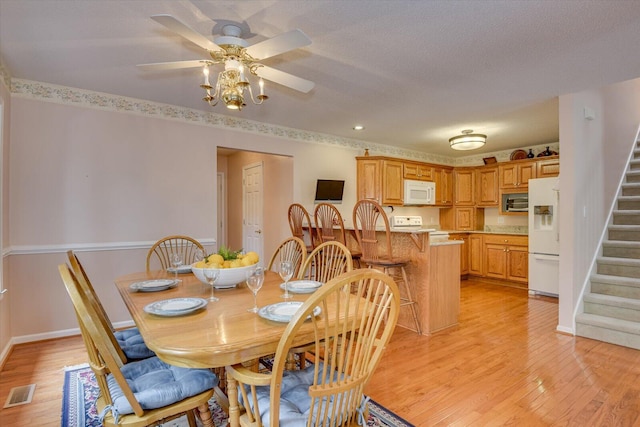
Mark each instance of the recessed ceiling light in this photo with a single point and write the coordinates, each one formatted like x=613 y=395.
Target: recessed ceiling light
x=358 y=127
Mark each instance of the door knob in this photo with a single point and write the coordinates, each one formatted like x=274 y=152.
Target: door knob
x=258 y=231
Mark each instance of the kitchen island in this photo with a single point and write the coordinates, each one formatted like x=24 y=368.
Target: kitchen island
x=434 y=276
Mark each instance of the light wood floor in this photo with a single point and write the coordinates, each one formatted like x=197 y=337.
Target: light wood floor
x=504 y=365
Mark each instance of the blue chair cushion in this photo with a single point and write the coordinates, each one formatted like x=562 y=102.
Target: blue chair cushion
x=156 y=384
x=132 y=344
x=295 y=402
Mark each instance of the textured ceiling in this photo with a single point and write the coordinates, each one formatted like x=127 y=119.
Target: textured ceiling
x=414 y=73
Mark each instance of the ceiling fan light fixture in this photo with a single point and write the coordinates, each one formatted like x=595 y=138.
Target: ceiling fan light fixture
x=468 y=140
x=233 y=99
x=241 y=61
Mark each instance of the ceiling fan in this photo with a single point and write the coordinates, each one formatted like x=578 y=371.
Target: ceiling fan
x=239 y=59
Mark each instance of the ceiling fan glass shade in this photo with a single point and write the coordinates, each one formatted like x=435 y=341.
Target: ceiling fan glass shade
x=468 y=141
x=233 y=99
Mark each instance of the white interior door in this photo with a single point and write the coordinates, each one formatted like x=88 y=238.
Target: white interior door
x=252 y=202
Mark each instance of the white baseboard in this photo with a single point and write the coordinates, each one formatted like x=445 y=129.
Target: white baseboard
x=565 y=330
x=48 y=336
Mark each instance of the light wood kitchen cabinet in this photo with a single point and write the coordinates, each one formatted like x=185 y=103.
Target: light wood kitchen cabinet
x=464 y=186
x=419 y=171
x=514 y=175
x=464 y=218
x=548 y=168
x=392 y=184
x=476 y=258
x=369 y=181
x=487 y=186
x=380 y=179
x=443 y=178
x=464 y=251
x=506 y=257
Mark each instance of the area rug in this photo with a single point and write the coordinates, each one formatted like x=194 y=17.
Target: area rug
x=81 y=390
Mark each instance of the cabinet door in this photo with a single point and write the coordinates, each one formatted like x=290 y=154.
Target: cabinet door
x=369 y=180
x=526 y=171
x=476 y=256
x=464 y=218
x=464 y=251
x=464 y=186
x=444 y=186
x=518 y=264
x=548 y=168
x=487 y=184
x=496 y=261
x=516 y=175
x=392 y=185
x=418 y=171
x=508 y=176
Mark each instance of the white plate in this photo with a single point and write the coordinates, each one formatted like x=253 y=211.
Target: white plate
x=175 y=306
x=181 y=269
x=283 y=311
x=153 y=285
x=302 y=286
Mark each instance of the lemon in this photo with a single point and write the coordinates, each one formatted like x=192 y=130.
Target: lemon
x=215 y=259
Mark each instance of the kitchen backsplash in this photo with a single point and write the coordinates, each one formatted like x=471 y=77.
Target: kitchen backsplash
x=517 y=229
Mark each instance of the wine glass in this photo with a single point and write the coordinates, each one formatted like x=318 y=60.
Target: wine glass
x=176 y=261
x=255 y=279
x=286 y=271
x=211 y=274
x=198 y=255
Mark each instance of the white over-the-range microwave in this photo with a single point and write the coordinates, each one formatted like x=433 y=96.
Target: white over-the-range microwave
x=419 y=192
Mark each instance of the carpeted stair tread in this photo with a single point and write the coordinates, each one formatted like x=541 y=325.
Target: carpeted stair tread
x=633 y=176
x=620 y=286
x=615 y=331
x=609 y=323
x=634 y=164
x=616 y=280
x=621 y=249
x=631 y=244
x=631 y=189
x=626 y=217
x=631 y=262
x=612 y=300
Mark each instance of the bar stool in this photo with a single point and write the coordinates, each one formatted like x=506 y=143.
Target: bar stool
x=327 y=217
x=366 y=214
x=298 y=216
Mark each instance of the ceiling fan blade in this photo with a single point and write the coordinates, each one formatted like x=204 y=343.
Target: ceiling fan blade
x=285 y=79
x=175 y=65
x=279 y=44
x=185 y=31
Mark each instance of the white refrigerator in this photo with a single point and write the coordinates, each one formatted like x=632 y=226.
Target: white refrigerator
x=544 y=236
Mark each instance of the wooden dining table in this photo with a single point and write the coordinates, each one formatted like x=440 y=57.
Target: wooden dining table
x=222 y=333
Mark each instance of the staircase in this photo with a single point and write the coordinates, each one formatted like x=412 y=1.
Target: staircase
x=612 y=308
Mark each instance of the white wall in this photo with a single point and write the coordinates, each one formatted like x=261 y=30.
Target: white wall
x=5 y=300
x=109 y=183
x=594 y=154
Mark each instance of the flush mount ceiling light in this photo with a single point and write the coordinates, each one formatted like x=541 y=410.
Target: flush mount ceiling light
x=358 y=127
x=468 y=140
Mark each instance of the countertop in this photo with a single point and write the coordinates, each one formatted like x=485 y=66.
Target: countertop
x=508 y=233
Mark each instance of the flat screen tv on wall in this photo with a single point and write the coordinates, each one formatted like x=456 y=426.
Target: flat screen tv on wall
x=329 y=191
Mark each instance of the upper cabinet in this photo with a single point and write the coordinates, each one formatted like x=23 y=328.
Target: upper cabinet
x=380 y=179
x=464 y=186
x=392 y=185
x=419 y=171
x=487 y=186
x=443 y=177
x=515 y=175
x=548 y=167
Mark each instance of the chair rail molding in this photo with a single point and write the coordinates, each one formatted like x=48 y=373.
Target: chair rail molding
x=88 y=247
